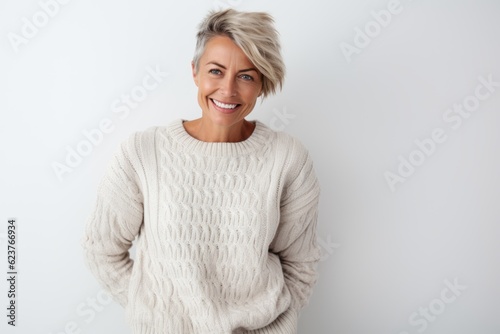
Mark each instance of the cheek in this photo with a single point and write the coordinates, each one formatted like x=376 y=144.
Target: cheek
x=251 y=94
x=206 y=87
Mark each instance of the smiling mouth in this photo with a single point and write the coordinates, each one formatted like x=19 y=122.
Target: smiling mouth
x=225 y=106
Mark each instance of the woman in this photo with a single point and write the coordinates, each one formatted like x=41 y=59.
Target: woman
x=224 y=209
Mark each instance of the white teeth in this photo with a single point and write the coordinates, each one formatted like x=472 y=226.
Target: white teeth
x=223 y=105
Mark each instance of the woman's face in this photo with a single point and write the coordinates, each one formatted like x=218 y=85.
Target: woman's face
x=228 y=83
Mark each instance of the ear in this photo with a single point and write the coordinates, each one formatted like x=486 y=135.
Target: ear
x=195 y=75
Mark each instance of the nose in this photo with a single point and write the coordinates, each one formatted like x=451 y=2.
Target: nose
x=228 y=86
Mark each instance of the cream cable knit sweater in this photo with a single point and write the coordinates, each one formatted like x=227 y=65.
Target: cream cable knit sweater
x=226 y=232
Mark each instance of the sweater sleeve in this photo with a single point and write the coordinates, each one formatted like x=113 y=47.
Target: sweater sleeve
x=115 y=221
x=295 y=241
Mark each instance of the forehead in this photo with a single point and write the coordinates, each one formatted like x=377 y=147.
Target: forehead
x=224 y=51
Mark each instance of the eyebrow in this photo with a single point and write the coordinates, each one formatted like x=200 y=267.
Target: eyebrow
x=224 y=67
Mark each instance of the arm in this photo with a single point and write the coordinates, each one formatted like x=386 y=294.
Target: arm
x=115 y=221
x=296 y=241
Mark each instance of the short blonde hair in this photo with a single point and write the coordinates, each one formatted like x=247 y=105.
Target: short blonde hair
x=255 y=34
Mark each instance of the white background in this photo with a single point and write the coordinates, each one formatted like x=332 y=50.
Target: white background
x=387 y=252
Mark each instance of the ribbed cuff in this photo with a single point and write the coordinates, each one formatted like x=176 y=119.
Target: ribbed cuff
x=144 y=330
x=286 y=323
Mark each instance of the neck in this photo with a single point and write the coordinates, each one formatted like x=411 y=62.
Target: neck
x=206 y=131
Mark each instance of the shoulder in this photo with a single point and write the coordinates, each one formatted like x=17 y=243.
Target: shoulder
x=135 y=150
x=288 y=145
x=141 y=145
x=293 y=157
x=140 y=138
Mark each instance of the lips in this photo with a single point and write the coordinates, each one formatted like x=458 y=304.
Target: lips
x=225 y=107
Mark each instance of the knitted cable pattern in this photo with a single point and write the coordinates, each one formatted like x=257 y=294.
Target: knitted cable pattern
x=226 y=232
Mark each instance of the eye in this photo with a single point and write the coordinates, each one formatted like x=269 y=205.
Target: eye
x=246 y=77
x=215 y=71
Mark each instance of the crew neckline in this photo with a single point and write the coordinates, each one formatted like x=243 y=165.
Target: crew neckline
x=256 y=140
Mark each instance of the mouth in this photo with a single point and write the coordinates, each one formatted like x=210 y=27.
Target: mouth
x=225 y=107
